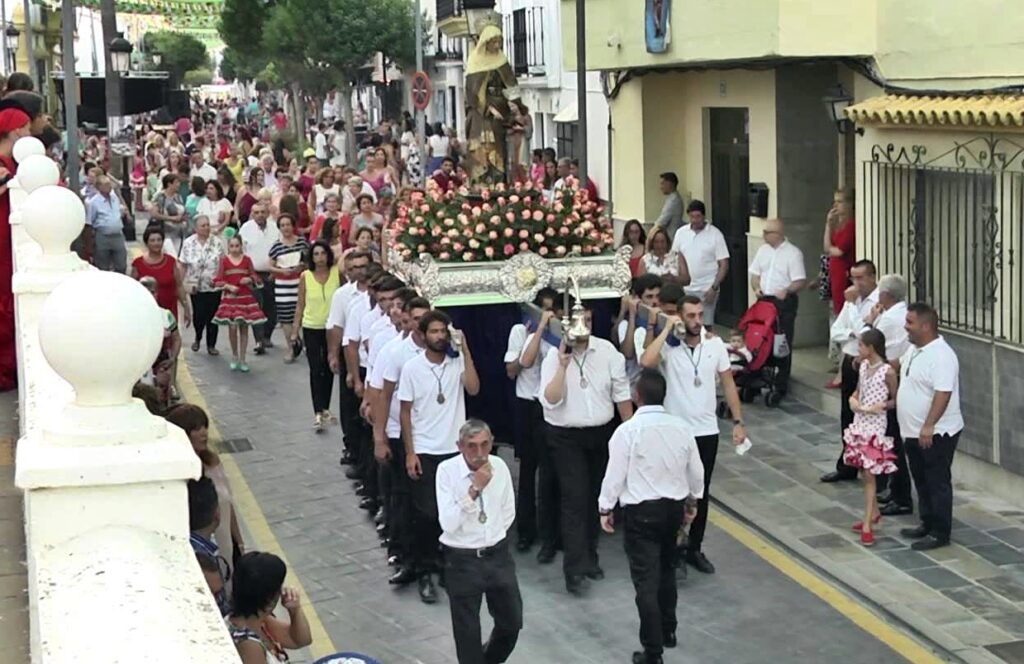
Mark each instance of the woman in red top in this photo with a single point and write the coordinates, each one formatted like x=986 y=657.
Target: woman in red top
x=840 y=244
x=14 y=123
x=633 y=235
x=157 y=264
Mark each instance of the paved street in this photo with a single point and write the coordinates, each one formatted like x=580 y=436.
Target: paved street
x=749 y=612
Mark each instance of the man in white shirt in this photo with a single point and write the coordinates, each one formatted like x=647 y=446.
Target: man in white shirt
x=476 y=507
x=432 y=391
x=582 y=383
x=258 y=235
x=692 y=367
x=388 y=447
x=928 y=407
x=777 y=274
x=534 y=508
x=339 y=145
x=646 y=290
x=889 y=317
x=861 y=297
x=320 y=145
x=655 y=473
x=563 y=169
x=200 y=168
x=355 y=265
x=703 y=259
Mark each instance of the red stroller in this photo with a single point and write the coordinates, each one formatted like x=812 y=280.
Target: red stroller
x=759 y=327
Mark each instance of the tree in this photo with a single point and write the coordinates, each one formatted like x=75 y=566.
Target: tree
x=180 y=52
x=242 y=23
x=196 y=77
x=236 y=66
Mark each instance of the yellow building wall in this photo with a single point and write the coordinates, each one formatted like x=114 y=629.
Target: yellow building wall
x=628 y=157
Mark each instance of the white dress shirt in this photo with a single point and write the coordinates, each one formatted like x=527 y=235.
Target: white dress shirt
x=639 y=338
x=851 y=320
x=366 y=325
x=892 y=323
x=388 y=367
x=604 y=370
x=357 y=309
x=381 y=333
x=702 y=251
x=206 y=171
x=339 y=304
x=435 y=426
x=694 y=404
x=256 y=242
x=653 y=455
x=923 y=372
x=778 y=267
x=528 y=379
x=460 y=516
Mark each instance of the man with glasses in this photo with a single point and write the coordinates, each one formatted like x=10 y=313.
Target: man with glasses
x=777 y=274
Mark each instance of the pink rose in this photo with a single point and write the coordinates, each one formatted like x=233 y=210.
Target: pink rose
x=468 y=257
x=550 y=232
x=476 y=211
x=421 y=231
x=523 y=234
x=500 y=186
x=458 y=246
x=523 y=246
x=464 y=220
x=511 y=216
x=444 y=255
x=474 y=244
x=489 y=252
x=435 y=231
x=486 y=207
x=493 y=235
x=509 y=250
x=485 y=194
x=424 y=208
x=528 y=200
x=513 y=198
x=550 y=218
x=538 y=215
x=467 y=232
x=501 y=200
x=538 y=238
x=452 y=233
x=526 y=214
x=445 y=241
x=559 y=207
x=559 y=250
x=421 y=248
x=563 y=231
x=543 y=251
x=480 y=228
x=495 y=220
x=508 y=232
x=449 y=221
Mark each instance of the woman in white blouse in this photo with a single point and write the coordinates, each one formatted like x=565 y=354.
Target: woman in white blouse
x=200 y=255
x=659 y=259
x=216 y=208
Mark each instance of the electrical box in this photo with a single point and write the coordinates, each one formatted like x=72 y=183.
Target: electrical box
x=758 y=199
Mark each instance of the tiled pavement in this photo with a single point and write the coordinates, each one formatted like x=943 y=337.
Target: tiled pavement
x=967 y=597
x=748 y=612
x=14 y=628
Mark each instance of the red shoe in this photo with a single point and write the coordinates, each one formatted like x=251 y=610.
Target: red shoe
x=867 y=538
x=834 y=384
x=859 y=525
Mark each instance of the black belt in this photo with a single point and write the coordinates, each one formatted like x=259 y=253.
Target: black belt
x=485 y=552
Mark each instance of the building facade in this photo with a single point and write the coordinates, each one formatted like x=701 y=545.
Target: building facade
x=731 y=92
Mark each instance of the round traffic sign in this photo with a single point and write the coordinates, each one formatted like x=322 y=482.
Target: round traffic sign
x=420 y=91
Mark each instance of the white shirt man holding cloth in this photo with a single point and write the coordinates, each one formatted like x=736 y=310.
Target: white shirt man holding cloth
x=258 y=235
x=703 y=258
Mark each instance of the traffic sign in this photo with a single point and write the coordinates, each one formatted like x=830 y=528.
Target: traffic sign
x=420 y=91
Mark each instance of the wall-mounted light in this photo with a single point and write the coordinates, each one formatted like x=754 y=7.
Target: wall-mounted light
x=120 y=54
x=836 y=103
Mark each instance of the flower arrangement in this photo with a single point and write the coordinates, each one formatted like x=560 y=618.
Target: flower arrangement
x=495 y=224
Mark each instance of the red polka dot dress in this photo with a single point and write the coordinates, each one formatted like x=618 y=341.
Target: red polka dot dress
x=867 y=446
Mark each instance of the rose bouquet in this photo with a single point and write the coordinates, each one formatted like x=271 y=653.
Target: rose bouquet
x=496 y=224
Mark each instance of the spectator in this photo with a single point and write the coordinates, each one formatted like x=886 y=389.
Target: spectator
x=200 y=256
x=106 y=216
x=671 y=217
x=259 y=636
x=633 y=235
x=203 y=520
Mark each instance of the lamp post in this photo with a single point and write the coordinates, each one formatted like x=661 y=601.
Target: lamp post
x=121 y=61
x=11 y=35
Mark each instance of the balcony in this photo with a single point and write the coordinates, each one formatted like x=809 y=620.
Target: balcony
x=458 y=18
x=448 y=49
x=524 y=41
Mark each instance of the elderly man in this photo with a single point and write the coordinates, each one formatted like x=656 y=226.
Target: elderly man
x=258 y=235
x=269 y=174
x=889 y=317
x=861 y=298
x=564 y=170
x=354 y=188
x=777 y=274
x=106 y=216
x=200 y=168
x=476 y=507
x=703 y=258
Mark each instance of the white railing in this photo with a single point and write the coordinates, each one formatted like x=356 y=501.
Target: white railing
x=111 y=574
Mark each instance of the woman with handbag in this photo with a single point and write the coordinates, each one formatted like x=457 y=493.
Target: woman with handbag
x=168 y=209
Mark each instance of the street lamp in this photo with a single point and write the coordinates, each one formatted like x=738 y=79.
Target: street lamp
x=11 y=35
x=836 y=102
x=121 y=54
x=157 y=59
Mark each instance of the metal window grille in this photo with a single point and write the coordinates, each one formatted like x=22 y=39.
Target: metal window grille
x=566 y=135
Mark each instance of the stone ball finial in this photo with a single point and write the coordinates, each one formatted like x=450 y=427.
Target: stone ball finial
x=53 y=216
x=101 y=331
x=27 y=146
x=37 y=171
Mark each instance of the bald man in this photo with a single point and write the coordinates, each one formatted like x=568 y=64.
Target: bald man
x=777 y=275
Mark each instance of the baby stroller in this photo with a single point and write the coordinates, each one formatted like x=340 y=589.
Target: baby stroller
x=764 y=339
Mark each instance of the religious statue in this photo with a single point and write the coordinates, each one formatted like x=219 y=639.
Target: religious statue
x=490 y=86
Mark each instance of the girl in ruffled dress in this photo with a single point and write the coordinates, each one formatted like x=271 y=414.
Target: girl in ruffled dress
x=238 y=306
x=866 y=445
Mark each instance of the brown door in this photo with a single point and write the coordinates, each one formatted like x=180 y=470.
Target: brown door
x=730 y=174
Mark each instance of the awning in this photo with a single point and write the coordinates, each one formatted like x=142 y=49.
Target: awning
x=569 y=113
x=979 y=112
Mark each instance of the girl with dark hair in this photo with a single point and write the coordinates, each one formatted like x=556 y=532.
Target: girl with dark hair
x=248 y=195
x=259 y=636
x=867 y=446
x=316 y=288
x=238 y=306
x=633 y=235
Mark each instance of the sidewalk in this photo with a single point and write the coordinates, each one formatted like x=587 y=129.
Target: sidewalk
x=14 y=628
x=967 y=598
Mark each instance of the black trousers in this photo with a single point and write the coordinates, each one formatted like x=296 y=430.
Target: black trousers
x=580 y=457
x=898 y=482
x=367 y=464
x=650 y=543
x=787 y=322
x=348 y=408
x=426 y=529
x=265 y=296
x=204 y=306
x=707 y=447
x=469 y=579
x=537 y=502
x=932 y=472
x=849 y=378
x=321 y=380
x=398 y=505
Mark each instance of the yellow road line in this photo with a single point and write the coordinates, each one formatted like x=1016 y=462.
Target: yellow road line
x=853 y=610
x=249 y=511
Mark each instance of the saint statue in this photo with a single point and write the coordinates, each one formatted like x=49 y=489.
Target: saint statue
x=490 y=86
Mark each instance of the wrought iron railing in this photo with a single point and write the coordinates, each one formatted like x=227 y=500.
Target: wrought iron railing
x=955 y=233
x=524 y=41
x=450 y=8
x=448 y=48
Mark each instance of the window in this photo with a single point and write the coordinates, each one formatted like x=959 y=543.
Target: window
x=566 y=139
x=520 y=59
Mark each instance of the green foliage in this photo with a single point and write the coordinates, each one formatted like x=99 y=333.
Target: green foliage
x=242 y=67
x=197 y=77
x=241 y=24
x=181 y=52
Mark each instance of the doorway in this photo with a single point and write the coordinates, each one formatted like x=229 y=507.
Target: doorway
x=729 y=149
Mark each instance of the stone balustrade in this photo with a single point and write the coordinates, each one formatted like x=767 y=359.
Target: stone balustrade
x=110 y=568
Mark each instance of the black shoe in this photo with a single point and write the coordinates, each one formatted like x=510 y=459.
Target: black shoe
x=267 y=343
x=524 y=543
x=394 y=560
x=884 y=497
x=353 y=473
x=929 y=543
x=260 y=349
x=382 y=529
x=575 y=585
x=346 y=459
x=700 y=562
x=669 y=640
x=895 y=509
x=385 y=542
x=546 y=555
x=380 y=517
x=404 y=576
x=645 y=658
x=915 y=533
x=368 y=503
x=836 y=476
x=596 y=573
x=428 y=593
x=361 y=490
